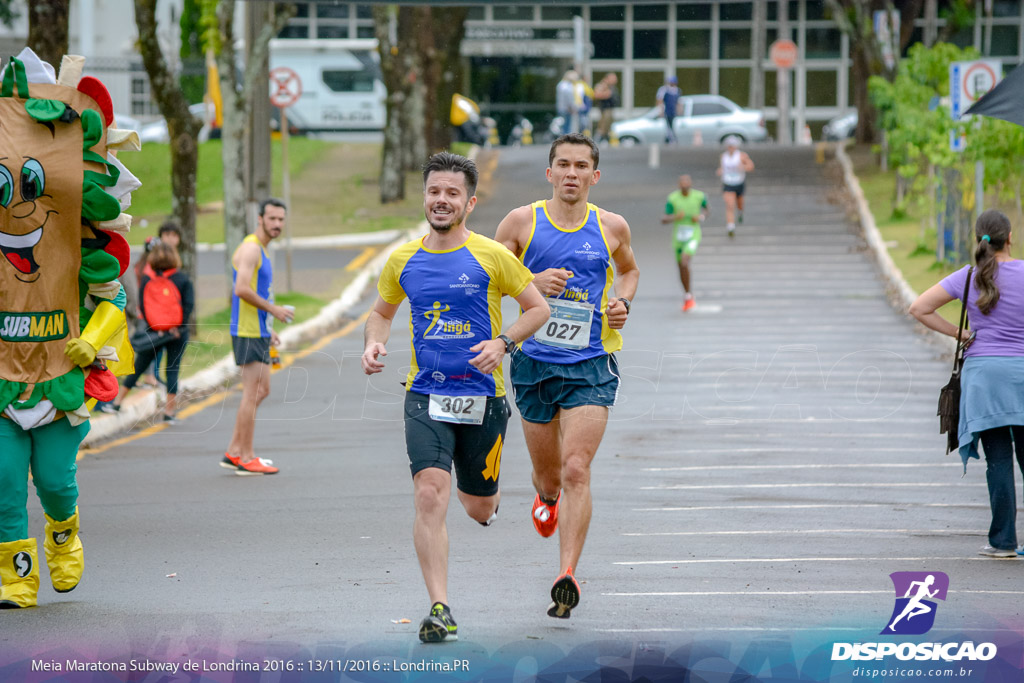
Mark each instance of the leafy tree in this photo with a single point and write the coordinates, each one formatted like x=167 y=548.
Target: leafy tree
x=855 y=18
x=919 y=127
x=422 y=69
x=239 y=95
x=395 y=28
x=193 y=76
x=8 y=13
x=182 y=130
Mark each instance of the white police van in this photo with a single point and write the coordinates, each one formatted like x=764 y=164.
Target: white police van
x=341 y=85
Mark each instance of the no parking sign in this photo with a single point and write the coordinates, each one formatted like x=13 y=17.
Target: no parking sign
x=968 y=81
x=285 y=87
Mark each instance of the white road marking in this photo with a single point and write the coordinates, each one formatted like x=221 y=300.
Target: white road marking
x=785 y=532
x=767 y=629
x=808 y=559
x=697 y=468
x=833 y=435
x=813 y=506
x=824 y=485
x=674 y=594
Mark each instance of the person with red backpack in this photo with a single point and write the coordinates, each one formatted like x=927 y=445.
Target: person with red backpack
x=166 y=300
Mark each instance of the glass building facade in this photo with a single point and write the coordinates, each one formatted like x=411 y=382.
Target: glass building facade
x=518 y=52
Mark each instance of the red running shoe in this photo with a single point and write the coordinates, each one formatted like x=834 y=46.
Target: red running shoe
x=565 y=595
x=545 y=517
x=255 y=466
x=229 y=462
x=689 y=304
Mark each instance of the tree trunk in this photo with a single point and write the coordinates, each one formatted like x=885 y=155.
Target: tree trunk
x=233 y=155
x=237 y=107
x=443 y=72
x=860 y=72
x=930 y=220
x=48 y=30
x=182 y=128
x=392 y=178
x=413 y=22
x=232 y=129
x=855 y=18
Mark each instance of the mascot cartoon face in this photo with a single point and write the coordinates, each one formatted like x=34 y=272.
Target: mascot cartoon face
x=29 y=208
x=52 y=147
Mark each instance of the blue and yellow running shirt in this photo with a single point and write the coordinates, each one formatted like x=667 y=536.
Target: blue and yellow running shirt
x=246 y=319
x=455 y=297
x=582 y=250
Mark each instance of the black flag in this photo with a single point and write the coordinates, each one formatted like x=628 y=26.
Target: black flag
x=1005 y=101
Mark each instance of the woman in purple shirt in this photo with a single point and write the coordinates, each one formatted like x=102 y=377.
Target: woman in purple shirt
x=992 y=381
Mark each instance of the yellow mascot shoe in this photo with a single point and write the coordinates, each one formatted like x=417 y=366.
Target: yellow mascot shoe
x=19 y=574
x=64 y=554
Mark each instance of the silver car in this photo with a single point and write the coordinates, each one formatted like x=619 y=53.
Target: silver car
x=714 y=116
x=841 y=127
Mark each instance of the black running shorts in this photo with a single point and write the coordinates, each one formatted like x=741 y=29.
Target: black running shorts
x=251 y=350
x=475 y=450
x=738 y=189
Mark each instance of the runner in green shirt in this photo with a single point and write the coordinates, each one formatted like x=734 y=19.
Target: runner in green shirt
x=687 y=209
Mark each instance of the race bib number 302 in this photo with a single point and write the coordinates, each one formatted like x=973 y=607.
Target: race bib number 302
x=465 y=410
x=569 y=325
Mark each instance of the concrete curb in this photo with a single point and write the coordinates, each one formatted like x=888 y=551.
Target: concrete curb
x=225 y=372
x=903 y=294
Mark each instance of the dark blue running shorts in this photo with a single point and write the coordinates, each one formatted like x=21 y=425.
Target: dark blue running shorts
x=475 y=450
x=738 y=189
x=251 y=350
x=542 y=389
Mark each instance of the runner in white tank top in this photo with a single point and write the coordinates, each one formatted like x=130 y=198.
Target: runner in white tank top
x=733 y=168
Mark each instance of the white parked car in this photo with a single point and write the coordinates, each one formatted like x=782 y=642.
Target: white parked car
x=716 y=118
x=125 y=122
x=157 y=130
x=841 y=127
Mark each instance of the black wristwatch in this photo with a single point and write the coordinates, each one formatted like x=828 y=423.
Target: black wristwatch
x=510 y=345
x=625 y=301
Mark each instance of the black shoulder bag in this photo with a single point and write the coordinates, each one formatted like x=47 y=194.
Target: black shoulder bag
x=949 y=395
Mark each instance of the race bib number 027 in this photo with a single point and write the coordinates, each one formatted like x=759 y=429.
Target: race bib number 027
x=464 y=410
x=569 y=325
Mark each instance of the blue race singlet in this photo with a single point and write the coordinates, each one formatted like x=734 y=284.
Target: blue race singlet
x=455 y=301
x=246 y=319
x=577 y=329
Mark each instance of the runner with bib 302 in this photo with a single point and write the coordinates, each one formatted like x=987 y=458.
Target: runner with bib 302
x=455 y=407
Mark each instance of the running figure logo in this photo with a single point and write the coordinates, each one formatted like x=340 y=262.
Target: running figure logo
x=914 y=612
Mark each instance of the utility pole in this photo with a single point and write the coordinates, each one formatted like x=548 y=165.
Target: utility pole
x=758 y=38
x=257 y=171
x=782 y=80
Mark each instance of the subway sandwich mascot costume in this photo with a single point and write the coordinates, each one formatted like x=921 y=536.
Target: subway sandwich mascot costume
x=62 y=326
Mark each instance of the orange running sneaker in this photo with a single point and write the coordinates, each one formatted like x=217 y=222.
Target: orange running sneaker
x=689 y=304
x=545 y=517
x=565 y=595
x=255 y=466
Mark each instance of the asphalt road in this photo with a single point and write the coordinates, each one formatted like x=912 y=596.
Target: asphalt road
x=773 y=459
